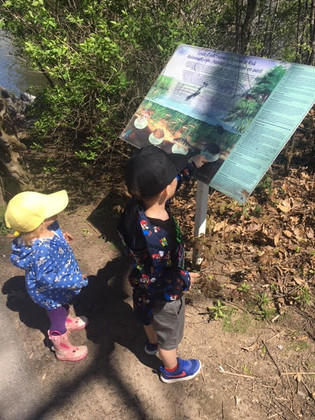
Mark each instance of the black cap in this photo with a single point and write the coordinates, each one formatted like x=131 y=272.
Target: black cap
x=151 y=169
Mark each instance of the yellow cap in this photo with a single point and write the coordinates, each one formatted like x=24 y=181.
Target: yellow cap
x=28 y=209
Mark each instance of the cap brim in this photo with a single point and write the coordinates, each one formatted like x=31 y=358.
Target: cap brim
x=56 y=202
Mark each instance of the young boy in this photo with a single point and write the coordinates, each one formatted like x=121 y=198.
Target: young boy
x=153 y=238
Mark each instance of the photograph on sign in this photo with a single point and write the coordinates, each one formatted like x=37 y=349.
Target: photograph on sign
x=208 y=102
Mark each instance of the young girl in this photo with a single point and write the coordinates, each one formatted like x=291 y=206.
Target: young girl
x=52 y=275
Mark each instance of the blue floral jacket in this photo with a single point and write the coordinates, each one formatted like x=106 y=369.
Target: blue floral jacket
x=52 y=275
x=157 y=273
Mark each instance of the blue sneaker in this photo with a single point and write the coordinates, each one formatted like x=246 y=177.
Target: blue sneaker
x=151 y=349
x=187 y=369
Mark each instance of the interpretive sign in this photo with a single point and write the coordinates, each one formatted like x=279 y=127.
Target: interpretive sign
x=236 y=110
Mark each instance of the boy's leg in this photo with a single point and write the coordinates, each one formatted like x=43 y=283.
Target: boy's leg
x=150 y=333
x=168 y=320
x=150 y=347
x=169 y=358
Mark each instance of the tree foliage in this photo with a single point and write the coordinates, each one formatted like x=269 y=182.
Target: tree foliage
x=101 y=56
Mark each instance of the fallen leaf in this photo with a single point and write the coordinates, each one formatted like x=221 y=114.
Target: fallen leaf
x=287 y=233
x=299 y=281
x=253 y=227
x=284 y=206
x=219 y=226
x=297 y=234
x=264 y=230
x=252 y=347
x=305 y=175
x=294 y=220
x=276 y=238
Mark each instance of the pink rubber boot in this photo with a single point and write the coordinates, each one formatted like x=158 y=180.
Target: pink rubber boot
x=76 y=322
x=64 y=350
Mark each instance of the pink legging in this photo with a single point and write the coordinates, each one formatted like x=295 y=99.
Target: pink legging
x=57 y=318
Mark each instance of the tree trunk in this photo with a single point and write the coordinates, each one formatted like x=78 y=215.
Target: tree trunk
x=311 y=57
x=247 y=25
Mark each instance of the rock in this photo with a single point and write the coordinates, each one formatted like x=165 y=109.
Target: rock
x=4 y=93
x=27 y=97
x=13 y=177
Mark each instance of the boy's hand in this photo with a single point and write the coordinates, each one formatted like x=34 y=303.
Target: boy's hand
x=199 y=160
x=193 y=278
x=68 y=237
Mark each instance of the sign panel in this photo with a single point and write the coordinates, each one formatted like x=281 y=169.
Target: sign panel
x=236 y=110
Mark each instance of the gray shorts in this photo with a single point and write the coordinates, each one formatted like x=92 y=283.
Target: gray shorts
x=168 y=322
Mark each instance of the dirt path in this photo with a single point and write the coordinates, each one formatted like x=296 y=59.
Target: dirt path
x=247 y=365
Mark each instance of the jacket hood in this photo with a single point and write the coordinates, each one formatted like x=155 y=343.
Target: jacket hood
x=21 y=255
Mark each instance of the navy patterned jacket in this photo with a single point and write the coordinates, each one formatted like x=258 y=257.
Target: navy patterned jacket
x=157 y=273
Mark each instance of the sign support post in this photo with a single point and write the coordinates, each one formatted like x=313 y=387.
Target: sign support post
x=200 y=216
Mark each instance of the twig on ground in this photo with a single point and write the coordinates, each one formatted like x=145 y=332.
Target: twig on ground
x=123 y=154
x=226 y=372
x=285 y=406
x=274 y=415
x=298 y=373
x=231 y=367
x=310 y=393
x=274 y=336
x=271 y=357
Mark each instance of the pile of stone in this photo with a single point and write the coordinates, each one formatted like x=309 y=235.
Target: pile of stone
x=13 y=174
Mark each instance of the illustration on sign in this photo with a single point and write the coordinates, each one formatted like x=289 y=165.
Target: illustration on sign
x=238 y=111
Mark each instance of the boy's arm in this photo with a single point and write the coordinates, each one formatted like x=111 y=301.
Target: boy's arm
x=194 y=162
x=181 y=280
x=166 y=281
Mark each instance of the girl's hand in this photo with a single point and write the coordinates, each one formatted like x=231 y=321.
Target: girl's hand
x=199 y=160
x=68 y=237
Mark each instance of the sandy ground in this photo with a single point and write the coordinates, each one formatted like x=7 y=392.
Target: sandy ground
x=249 y=367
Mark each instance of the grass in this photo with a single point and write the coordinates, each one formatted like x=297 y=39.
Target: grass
x=299 y=346
x=239 y=325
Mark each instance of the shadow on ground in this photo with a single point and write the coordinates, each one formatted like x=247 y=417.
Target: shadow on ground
x=112 y=322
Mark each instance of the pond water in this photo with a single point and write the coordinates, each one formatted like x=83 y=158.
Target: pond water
x=15 y=75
